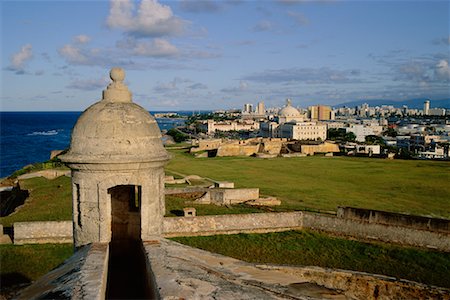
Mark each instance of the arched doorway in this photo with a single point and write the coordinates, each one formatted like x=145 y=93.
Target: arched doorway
x=125 y=212
x=126 y=270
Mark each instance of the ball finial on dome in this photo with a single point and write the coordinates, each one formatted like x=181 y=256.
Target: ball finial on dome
x=117 y=74
x=117 y=91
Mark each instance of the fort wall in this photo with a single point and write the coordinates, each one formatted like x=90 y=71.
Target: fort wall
x=395 y=219
x=231 y=224
x=43 y=232
x=370 y=231
x=61 y=232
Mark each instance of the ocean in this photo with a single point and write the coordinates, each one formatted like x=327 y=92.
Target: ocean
x=28 y=137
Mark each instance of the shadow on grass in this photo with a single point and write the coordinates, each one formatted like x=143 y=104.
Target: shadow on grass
x=177 y=212
x=12 y=284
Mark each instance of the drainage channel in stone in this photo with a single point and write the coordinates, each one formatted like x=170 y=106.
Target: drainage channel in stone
x=127 y=278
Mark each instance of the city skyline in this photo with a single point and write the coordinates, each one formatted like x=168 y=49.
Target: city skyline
x=192 y=55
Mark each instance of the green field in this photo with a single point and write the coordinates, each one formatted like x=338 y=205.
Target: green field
x=306 y=183
x=26 y=263
x=311 y=183
x=49 y=200
x=323 y=183
x=307 y=248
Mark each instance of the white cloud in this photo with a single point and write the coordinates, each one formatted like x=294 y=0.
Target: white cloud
x=73 y=54
x=322 y=75
x=155 y=48
x=442 y=70
x=263 y=26
x=442 y=41
x=243 y=86
x=299 y=18
x=198 y=86
x=19 y=59
x=89 y=84
x=81 y=39
x=151 y=19
x=173 y=85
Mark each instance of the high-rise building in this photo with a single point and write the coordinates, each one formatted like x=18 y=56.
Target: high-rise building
x=248 y=108
x=426 y=107
x=320 y=112
x=260 y=109
x=313 y=112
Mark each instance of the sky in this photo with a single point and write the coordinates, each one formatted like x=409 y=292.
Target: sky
x=205 y=55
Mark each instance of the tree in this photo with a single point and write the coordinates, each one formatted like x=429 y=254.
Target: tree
x=341 y=135
x=390 y=132
x=374 y=140
x=177 y=135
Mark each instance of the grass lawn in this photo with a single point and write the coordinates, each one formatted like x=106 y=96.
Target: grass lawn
x=323 y=183
x=49 y=200
x=314 y=249
x=25 y=263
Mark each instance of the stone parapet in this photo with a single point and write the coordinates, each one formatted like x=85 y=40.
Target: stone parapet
x=82 y=276
x=231 y=224
x=43 y=232
x=371 y=231
x=182 y=272
x=395 y=219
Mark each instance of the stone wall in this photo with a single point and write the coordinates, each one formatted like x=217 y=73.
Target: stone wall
x=237 y=150
x=82 y=276
x=370 y=231
x=49 y=174
x=359 y=285
x=61 y=232
x=187 y=190
x=43 y=232
x=182 y=272
x=224 y=196
x=230 y=224
x=395 y=219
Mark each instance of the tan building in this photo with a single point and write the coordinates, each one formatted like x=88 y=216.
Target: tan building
x=320 y=112
x=211 y=126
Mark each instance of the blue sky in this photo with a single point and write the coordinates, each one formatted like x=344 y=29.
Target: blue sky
x=192 y=55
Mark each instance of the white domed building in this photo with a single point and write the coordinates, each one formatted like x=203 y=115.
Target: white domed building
x=291 y=125
x=289 y=114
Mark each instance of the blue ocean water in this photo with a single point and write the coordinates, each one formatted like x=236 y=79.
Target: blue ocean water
x=28 y=137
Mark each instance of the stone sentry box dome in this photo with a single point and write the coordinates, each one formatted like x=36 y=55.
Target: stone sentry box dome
x=117 y=160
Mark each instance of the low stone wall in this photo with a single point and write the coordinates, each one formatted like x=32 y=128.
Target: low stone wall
x=43 y=232
x=237 y=150
x=395 y=219
x=359 y=285
x=231 y=224
x=49 y=174
x=223 y=196
x=173 y=191
x=370 y=231
x=182 y=272
x=82 y=276
x=61 y=232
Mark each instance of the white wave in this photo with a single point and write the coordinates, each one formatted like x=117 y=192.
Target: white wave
x=49 y=132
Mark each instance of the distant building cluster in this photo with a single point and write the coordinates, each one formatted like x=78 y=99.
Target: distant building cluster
x=424 y=133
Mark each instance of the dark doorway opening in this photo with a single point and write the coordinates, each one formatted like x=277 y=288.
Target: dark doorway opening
x=127 y=277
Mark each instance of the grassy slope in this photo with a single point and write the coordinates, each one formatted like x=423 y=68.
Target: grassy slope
x=21 y=264
x=417 y=187
x=49 y=200
x=309 y=248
